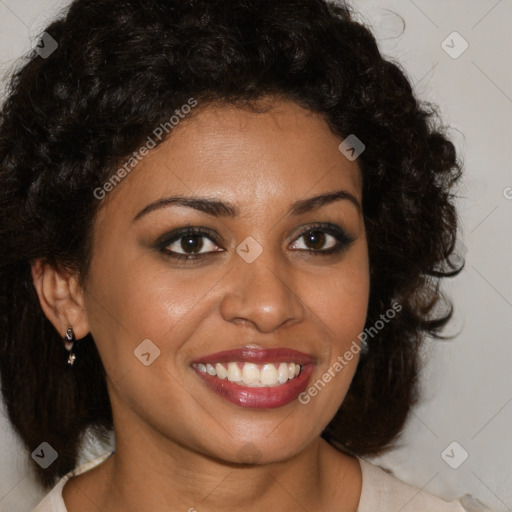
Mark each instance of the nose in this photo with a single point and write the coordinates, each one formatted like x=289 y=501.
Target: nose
x=261 y=294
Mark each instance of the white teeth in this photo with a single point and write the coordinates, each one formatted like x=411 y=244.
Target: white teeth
x=234 y=373
x=282 y=373
x=250 y=374
x=268 y=375
x=222 y=373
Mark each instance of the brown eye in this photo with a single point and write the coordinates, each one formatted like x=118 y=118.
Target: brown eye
x=323 y=239
x=192 y=243
x=188 y=243
x=316 y=240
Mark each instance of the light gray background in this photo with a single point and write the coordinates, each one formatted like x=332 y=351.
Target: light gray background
x=467 y=382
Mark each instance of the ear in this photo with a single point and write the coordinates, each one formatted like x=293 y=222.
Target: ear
x=61 y=298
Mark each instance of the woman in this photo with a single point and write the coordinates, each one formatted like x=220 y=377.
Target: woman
x=223 y=228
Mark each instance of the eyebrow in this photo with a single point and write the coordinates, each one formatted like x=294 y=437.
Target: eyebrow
x=217 y=208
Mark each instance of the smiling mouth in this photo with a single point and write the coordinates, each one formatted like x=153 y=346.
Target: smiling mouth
x=256 y=378
x=251 y=374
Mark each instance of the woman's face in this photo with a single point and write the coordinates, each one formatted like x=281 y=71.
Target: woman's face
x=272 y=269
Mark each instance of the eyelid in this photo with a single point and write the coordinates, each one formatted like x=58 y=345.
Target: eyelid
x=163 y=241
x=343 y=240
x=330 y=228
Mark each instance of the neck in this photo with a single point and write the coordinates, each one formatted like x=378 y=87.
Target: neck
x=144 y=475
x=149 y=478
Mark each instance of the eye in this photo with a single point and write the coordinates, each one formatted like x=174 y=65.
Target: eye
x=192 y=244
x=188 y=244
x=323 y=239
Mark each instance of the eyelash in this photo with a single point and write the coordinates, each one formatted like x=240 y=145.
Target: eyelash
x=343 y=239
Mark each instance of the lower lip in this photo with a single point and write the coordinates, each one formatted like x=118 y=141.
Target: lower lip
x=259 y=398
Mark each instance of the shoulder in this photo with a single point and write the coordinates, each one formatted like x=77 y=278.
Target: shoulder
x=383 y=492
x=53 y=501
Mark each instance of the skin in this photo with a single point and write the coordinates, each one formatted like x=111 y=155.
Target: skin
x=178 y=443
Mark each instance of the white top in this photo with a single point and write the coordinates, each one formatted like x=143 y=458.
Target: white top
x=381 y=492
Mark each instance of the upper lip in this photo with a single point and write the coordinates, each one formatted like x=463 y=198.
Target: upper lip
x=257 y=356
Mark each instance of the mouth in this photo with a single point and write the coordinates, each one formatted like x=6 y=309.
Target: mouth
x=256 y=378
x=250 y=374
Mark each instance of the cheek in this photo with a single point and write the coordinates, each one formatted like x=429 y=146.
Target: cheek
x=340 y=301
x=130 y=302
x=342 y=310
x=340 y=298
x=131 y=298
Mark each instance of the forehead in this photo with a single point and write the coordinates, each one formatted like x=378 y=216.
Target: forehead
x=278 y=153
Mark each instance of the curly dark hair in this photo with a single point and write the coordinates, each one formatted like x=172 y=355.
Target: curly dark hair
x=121 y=69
